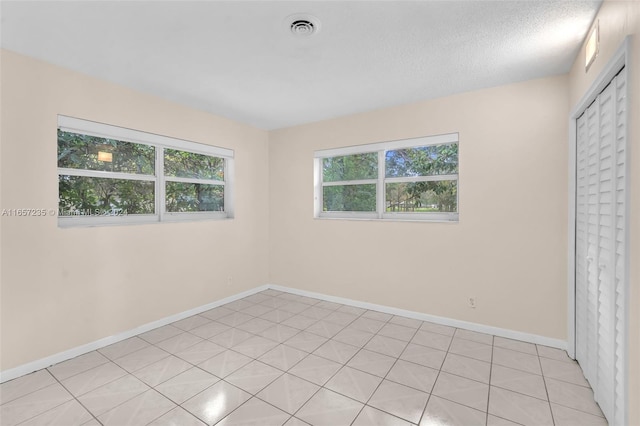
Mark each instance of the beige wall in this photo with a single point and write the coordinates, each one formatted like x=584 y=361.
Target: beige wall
x=509 y=249
x=62 y=288
x=617 y=20
x=92 y=282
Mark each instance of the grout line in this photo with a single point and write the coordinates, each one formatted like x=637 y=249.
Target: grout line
x=437 y=377
x=343 y=365
x=544 y=380
x=196 y=366
x=297 y=299
x=397 y=358
x=107 y=360
x=490 y=376
x=80 y=402
x=52 y=408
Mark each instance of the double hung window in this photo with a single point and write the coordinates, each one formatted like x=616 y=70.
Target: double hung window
x=414 y=179
x=112 y=175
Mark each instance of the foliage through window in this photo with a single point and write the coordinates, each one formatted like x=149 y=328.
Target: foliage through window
x=108 y=174
x=408 y=179
x=193 y=181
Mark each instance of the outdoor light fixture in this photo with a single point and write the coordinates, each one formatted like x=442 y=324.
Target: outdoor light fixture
x=105 y=156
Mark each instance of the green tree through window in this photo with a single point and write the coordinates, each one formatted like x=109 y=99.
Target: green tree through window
x=112 y=177
x=416 y=179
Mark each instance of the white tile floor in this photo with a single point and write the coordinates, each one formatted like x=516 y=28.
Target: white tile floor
x=276 y=358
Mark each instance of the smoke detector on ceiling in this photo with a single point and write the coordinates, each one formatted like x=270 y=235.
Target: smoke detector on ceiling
x=302 y=25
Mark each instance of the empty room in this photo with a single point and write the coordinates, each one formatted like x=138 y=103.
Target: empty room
x=320 y=213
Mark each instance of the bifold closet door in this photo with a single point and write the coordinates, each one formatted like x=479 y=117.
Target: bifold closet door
x=601 y=247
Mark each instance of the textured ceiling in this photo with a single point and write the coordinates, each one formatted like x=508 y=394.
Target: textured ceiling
x=238 y=60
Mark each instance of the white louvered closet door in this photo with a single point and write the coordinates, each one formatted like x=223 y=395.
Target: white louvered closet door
x=601 y=247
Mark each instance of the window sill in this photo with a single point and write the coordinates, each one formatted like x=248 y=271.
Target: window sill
x=454 y=219
x=89 y=222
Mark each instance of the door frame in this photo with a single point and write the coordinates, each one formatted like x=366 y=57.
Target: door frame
x=620 y=59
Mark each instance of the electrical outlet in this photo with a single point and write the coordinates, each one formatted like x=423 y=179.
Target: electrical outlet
x=472 y=302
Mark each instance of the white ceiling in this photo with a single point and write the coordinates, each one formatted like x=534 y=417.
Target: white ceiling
x=237 y=58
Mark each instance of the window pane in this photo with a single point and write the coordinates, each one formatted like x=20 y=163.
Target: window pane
x=350 y=167
x=189 y=165
x=349 y=198
x=422 y=197
x=194 y=197
x=97 y=196
x=77 y=151
x=422 y=161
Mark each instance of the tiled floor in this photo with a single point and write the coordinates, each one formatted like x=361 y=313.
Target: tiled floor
x=280 y=359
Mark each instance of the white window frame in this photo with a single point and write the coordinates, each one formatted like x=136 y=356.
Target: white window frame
x=381 y=148
x=101 y=130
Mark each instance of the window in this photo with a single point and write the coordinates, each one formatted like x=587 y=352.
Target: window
x=111 y=175
x=412 y=179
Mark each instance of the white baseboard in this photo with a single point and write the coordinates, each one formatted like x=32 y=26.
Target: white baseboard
x=83 y=349
x=481 y=328
x=80 y=350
